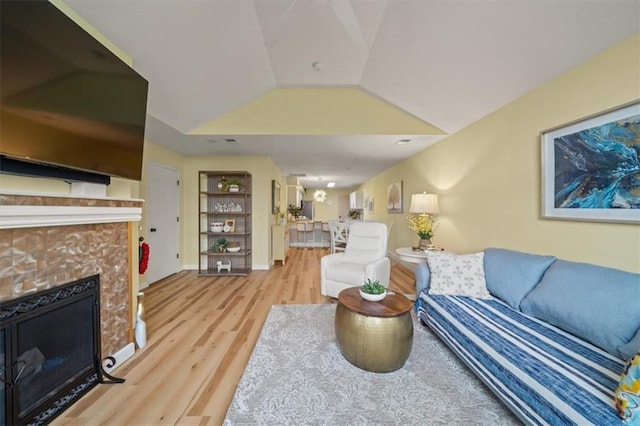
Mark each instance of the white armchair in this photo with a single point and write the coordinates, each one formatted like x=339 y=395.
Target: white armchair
x=364 y=258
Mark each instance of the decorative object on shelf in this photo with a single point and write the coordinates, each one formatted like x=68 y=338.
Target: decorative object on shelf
x=221 y=264
x=233 y=247
x=373 y=291
x=421 y=218
x=320 y=195
x=234 y=184
x=223 y=186
x=275 y=197
x=354 y=214
x=394 y=197
x=220 y=245
x=590 y=167
x=228 y=207
x=281 y=218
x=229 y=225
x=217 y=226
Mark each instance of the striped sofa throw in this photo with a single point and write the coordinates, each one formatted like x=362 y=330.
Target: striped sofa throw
x=543 y=374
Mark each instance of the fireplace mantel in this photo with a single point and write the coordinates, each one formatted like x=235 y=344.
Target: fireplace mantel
x=29 y=210
x=34 y=216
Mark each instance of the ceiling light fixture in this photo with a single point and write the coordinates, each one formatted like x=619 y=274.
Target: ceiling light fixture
x=331 y=184
x=317 y=66
x=320 y=195
x=403 y=141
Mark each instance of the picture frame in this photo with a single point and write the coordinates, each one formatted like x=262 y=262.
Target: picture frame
x=394 y=197
x=275 y=197
x=370 y=205
x=590 y=167
x=231 y=223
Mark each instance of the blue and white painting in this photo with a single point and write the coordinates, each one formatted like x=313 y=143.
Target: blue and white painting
x=591 y=167
x=599 y=167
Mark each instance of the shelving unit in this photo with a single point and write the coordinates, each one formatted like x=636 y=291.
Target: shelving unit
x=219 y=205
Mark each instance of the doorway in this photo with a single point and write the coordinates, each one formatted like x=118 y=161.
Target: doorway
x=162 y=221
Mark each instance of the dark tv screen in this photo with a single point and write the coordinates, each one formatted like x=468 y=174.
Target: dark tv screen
x=66 y=100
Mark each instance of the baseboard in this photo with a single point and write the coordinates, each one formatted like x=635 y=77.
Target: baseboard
x=260 y=268
x=142 y=285
x=121 y=356
x=189 y=267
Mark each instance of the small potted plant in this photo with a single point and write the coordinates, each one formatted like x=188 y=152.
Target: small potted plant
x=373 y=290
x=294 y=211
x=234 y=185
x=220 y=245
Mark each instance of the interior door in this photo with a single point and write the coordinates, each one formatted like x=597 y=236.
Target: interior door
x=162 y=221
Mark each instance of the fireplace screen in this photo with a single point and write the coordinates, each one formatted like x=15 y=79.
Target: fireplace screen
x=51 y=350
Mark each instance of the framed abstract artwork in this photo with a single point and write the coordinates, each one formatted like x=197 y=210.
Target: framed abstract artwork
x=591 y=167
x=275 y=197
x=394 y=197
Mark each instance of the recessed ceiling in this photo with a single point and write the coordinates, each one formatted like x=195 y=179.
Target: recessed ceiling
x=245 y=70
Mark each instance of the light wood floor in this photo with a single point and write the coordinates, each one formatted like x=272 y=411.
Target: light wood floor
x=201 y=331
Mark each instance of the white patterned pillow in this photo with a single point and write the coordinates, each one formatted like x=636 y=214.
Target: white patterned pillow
x=458 y=275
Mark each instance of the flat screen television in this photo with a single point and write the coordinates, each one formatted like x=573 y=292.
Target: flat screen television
x=69 y=107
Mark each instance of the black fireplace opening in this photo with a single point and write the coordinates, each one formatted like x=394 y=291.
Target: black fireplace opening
x=49 y=350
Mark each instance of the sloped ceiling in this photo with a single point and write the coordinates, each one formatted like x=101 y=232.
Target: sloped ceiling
x=261 y=71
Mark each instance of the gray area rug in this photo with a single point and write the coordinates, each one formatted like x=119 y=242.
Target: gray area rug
x=297 y=376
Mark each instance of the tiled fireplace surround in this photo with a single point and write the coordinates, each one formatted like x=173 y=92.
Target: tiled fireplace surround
x=47 y=241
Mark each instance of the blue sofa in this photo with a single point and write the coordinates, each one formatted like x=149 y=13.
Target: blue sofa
x=551 y=343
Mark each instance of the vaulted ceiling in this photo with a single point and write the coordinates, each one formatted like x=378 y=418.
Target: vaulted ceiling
x=327 y=87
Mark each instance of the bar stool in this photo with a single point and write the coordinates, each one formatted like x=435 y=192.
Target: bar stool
x=325 y=230
x=304 y=229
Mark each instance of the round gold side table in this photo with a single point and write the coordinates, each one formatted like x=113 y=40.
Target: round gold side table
x=374 y=336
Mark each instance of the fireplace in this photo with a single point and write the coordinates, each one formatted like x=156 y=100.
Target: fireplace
x=49 y=351
x=47 y=241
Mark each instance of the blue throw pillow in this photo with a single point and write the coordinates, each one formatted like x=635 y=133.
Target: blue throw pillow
x=511 y=275
x=598 y=304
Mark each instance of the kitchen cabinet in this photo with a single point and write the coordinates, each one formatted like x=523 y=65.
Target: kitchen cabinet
x=295 y=194
x=356 y=200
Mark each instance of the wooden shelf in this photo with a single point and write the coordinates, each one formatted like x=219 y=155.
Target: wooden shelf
x=225 y=213
x=210 y=200
x=228 y=234
x=226 y=253
x=225 y=194
x=233 y=273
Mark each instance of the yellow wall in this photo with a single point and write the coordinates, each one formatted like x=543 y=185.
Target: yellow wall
x=488 y=175
x=263 y=170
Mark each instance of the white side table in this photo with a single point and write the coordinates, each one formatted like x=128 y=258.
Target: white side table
x=408 y=254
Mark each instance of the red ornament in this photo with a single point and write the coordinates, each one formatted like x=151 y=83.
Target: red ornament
x=144 y=258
